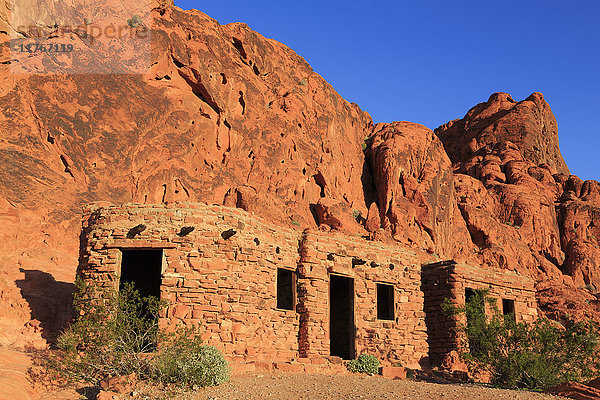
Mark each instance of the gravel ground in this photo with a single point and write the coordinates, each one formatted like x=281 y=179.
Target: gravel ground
x=313 y=386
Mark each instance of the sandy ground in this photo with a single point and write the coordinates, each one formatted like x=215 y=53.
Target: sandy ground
x=308 y=386
x=14 y=385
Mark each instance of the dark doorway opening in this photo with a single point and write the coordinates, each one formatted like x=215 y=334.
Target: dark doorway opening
x=475 y=306
x=385 y=301
x=470 y=295
x=475 y=301
x=341 y=316
x=476 y=318
x=508 y=309
x=143 y=269
x=286 y=284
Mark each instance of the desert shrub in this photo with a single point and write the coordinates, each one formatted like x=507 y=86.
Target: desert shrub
x=109 y=337
x=533 y=356
x=120 y=335
x=134 y=21
x=364 y=363
x=195 y=365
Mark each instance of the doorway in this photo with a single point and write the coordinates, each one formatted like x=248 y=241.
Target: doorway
x=508 y=310
x=341 y=316
x=143 y=269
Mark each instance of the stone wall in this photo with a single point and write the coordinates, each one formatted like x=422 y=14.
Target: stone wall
x=223 y=276
x=449 y=280
x=225 y=285
x=402 y=340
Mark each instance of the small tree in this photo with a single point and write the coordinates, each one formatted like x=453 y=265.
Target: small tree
x=533 y=356
x=109 y=336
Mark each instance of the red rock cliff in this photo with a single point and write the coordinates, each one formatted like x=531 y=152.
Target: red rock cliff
x=226 y=116
x=223 y=115
x=523 y=209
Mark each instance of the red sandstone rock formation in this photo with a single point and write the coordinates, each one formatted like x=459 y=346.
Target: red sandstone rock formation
x=574 y=390
x=415 y=189
x=528 y=124
x=226 y=116
x=522 y=208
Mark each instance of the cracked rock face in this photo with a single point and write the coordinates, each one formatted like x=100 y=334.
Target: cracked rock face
x=415 y=189
x=523 y=209
x=223 y=115
x=528 y=127
x=226 y=116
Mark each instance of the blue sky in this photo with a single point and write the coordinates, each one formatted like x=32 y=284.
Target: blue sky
x=430 y=61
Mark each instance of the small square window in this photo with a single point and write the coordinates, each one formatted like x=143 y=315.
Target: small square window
x=385 y=301
x=286 y=288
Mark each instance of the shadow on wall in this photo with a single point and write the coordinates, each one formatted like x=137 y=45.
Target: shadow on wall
x=441 y=336
x=50 y=301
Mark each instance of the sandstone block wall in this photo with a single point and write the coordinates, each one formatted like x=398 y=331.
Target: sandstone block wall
x=228 y=283
x=449 y=280
x=402 y=340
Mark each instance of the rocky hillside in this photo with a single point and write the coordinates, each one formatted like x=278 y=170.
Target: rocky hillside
x=224 y=115
x=523 y=209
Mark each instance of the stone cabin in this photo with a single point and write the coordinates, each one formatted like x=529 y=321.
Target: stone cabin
x=513 y=294
x=269 y=297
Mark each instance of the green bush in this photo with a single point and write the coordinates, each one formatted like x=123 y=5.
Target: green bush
x=364 y=363
x=109 y=337
x=533 y=356
x=185 y=361
x=205 y=366
x=134 y=21
x=120 y=335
